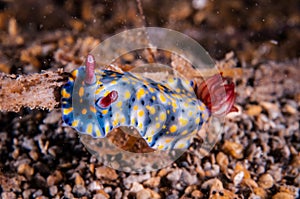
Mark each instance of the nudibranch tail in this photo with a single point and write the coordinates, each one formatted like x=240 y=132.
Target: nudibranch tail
x=217 y=95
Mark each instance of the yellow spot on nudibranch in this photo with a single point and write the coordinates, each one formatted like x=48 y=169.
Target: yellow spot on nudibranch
x=99 y=90
x=157 y=125
x=197 y=120
x=152 y=90
x=66 y=111
x=135 y=107
x=162 y=98
x=160 y=87
x=168 y=140
x=74 y=73
x=106 y=128
x=154 y=98
x=119 y=104
x=106 y=93
x=160 y=147
x=140 y=125
x=104 y=111
x=174 y=105
x=184 y=132
x=152 y=132
x=173 y=128
x=140 y=93
x=84 y=111
x=151 y=109
x=65 y=94
x=81 y=92
x=183 y=122
x=70 y=79
x=98 y=133
x=180 y=146
x=133 y=121
x=162 y=116
x=89 y=128
x=92 y=109
x=127 y=94
x=141 y=113
x=75 y=123
x=113 y=82
x=122 y=120
x=115 y=122
x=202 y=108
x=171 y=80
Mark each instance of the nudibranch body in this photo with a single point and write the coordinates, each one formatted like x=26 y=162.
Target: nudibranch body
x=167 y=114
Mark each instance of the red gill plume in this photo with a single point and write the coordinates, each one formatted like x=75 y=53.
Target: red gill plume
x=217 y=93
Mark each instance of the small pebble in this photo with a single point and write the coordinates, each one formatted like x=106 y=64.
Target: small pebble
x=79 y=180
x=79 y=190
x=95 y=186
x=135 y=178
x=106 y=173
x=152 y=182
x=290 y=109
x=260 y=192
x=38 y=193
x=283 y=195
x=26 y=170
x=143 y=194
x=197 y=194
x=34 y=155
x=53 y=190
x=55 y=178
x=213 y=171
x=68 y=195
x=100 y=196
x=234 y=149
x=238 y=178
x=136 y=187
x=272 y=109
x=8 y=195
x=175 y=175
x=27 y=193
x=118 y=193
x=222 y=160
x=253 y=110
x=188 y=178
x=266 y=181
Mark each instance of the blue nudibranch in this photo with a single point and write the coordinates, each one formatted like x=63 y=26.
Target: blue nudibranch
x=167 y=114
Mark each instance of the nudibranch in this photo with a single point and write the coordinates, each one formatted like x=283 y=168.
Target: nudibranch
x=166 y=114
